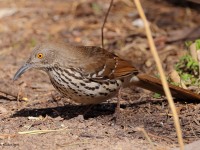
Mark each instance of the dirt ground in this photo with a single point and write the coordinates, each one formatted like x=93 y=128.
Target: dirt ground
x=24 y=23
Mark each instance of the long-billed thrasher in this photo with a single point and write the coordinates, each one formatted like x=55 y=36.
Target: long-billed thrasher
x=91 y=75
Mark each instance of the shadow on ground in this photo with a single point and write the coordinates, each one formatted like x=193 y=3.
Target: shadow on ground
x=68 y=111
x=71 y=111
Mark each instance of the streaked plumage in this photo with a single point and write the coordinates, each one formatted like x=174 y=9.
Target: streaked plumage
x=86 y=75
x=90 y=75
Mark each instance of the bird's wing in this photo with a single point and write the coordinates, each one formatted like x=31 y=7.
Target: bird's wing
x=105 y=65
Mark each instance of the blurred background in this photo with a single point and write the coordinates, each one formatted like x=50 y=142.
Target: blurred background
x=25 y=23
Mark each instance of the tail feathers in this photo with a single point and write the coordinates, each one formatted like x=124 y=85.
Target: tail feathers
x=153 y=84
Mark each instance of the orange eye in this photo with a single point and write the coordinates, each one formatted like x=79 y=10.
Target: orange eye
x=40 y=55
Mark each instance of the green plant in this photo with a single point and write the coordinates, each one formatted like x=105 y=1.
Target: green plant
x=188 y=70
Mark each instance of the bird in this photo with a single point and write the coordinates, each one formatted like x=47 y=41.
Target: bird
x=90 y=74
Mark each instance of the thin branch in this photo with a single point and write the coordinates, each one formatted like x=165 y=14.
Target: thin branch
x=104 y=22
x=162 y=75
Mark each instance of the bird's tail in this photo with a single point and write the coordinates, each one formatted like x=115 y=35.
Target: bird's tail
x=153 y=84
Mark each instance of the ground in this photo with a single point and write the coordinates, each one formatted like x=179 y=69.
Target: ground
x=23 y=24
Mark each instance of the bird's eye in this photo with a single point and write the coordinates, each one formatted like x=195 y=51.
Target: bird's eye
x=40 y=55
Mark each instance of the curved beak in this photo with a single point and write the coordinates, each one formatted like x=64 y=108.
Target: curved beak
x=24 y=68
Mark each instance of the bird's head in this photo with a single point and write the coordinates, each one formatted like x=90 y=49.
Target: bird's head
x=42 y=57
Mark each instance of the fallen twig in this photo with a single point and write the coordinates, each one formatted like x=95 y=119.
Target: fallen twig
x=40 y=131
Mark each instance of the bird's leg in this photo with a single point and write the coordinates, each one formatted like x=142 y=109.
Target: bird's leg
x=117 y=109
x=119 y=96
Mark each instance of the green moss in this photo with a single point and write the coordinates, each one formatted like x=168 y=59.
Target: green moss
x=156 y=95
x=197 y=43
x=188 y=70
x=187 y=67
